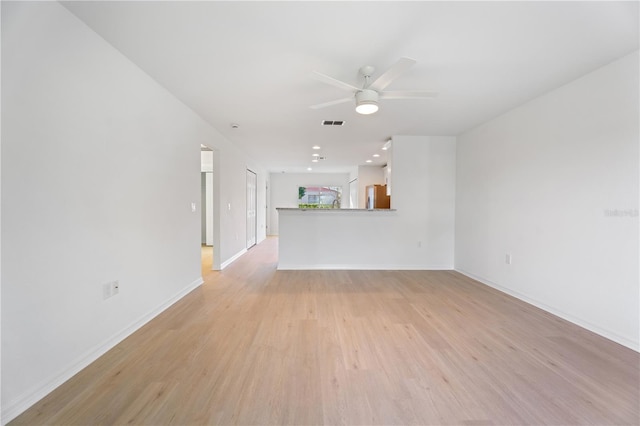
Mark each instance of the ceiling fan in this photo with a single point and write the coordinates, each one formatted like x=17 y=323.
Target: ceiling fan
x=367 y=97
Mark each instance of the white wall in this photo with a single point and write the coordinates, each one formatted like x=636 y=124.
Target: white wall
x=353 y=188
x=353 y=193
x=206 y=161
x=70 y=222
x=542 y=183
x=423 y=174
x=233 y=167
x=368 y=175
x=284 y=190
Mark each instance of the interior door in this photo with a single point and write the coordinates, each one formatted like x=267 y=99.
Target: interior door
x=252 y=202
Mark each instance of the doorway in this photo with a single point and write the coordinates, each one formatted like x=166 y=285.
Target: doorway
x=207 y=208
x=210 y=202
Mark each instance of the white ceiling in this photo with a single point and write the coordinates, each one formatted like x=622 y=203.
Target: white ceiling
x=250 y=63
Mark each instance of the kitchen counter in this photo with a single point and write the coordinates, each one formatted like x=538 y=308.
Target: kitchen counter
x=335 y=238
x=332 y=210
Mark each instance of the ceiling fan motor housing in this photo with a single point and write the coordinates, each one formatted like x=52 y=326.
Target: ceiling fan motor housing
x=367 y=95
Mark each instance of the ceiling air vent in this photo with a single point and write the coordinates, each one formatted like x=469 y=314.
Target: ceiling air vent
x=333 y=123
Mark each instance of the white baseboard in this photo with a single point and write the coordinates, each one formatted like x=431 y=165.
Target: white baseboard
x=232 y=259
x=363 y=267
x=608 y=334
x=21 y=403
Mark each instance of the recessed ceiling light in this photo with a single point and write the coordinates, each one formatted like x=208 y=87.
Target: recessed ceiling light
x=369 y=161
x=315 y=160
x=309 y=168
x=316 y=155
x=376 y=155
x=315 y=147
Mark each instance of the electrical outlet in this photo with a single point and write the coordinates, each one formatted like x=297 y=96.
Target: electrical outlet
x=419 y=243
x=106 y=290
x=507 y=259
x=110 y=289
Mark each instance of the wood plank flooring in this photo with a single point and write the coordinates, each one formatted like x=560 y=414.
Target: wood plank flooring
x=256 y=346
x=206 y=260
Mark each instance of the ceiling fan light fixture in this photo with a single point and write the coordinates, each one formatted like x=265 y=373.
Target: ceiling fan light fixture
x=366 y=108
x=366 y=101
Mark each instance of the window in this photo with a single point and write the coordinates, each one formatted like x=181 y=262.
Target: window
x=319 y=197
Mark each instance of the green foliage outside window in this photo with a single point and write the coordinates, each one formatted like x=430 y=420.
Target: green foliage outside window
x=315 y=206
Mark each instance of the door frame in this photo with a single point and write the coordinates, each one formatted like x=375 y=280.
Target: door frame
x=252 y=208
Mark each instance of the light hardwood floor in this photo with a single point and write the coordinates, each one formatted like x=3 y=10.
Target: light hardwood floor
x=206 y=261
x=258 y=346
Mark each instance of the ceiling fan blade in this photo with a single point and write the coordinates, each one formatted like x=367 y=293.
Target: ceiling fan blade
x=391 y=74
x=408 y=94
x=333 y=82
x=327 y=104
